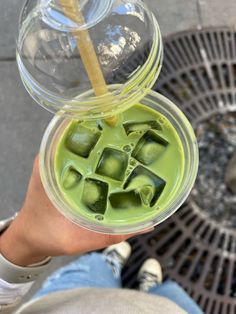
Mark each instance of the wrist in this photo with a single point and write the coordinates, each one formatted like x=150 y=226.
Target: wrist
x=17 y=248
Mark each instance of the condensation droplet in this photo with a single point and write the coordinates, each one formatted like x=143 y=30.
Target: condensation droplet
x=99 y=217
x=127 y=148
x=132 y=162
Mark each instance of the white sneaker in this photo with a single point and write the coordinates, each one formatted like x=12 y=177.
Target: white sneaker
x=117 y=255
x=149 y=275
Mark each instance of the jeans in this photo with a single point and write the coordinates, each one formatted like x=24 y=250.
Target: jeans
x=92 y=270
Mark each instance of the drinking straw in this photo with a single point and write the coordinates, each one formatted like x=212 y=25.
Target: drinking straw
x=87 y=52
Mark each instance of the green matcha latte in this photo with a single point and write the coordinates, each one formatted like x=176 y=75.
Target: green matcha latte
x=120 y=175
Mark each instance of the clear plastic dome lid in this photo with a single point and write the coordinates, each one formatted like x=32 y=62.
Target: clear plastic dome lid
x=89 y=58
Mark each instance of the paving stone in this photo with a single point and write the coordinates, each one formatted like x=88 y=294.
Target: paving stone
x=217 y=13
x=9 y=15
x=175 y=15
x=22 y=124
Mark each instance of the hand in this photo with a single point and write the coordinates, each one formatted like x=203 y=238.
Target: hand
x=40 y=230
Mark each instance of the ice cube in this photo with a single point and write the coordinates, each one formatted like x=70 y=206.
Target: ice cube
x=133 y=127
x=125 y=200
x=71 y=178
x=143 y=185
x=147 y=184
x=95 y=195
x=113 y=164
x=82 y=140
x=149 y=148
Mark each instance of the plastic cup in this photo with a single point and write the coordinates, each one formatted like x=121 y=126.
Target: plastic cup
x=186 y=135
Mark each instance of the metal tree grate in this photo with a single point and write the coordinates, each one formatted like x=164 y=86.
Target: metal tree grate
x=197 y=251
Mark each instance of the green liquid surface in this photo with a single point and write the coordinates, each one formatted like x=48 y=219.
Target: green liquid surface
x=120 y=175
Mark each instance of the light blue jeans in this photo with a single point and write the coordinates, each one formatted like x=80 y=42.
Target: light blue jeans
x=93 y=271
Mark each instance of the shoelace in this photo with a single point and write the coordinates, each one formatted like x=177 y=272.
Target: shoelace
x=147 y=281
x=115 y=260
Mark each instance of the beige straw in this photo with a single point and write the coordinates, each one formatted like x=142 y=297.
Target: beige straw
x=87 y=52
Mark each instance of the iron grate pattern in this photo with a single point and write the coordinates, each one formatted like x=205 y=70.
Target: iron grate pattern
x=199 y=75
x=199 y=72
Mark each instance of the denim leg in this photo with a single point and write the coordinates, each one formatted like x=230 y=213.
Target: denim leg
x=90 y=270
x=172 y=291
